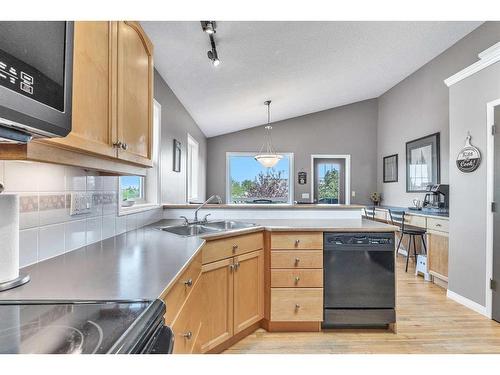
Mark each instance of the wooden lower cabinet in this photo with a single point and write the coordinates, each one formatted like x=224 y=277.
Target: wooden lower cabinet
x=217 y=320
x=233 y=297
x=248 y=290
x=437 y=257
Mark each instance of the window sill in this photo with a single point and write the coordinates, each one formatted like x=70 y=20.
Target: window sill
x=122 y=211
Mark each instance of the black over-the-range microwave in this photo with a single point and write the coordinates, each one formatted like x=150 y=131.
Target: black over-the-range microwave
x=36 y=69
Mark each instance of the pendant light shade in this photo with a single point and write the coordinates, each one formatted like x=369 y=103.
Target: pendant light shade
x=267 y=157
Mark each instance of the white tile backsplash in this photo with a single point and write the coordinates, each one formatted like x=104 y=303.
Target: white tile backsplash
x=50 y=241
x=47 y=229
x=75 y=234
x=28 y=247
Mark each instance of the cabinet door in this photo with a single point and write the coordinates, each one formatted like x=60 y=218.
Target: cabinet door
x=248 y=289
x=438 y=254
x=92 y=129
x=134 y=93
x=217 y=318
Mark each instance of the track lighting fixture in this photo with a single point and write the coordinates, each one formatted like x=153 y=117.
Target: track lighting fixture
x=209 y=28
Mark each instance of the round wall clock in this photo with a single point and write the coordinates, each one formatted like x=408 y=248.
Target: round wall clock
x=469 y=157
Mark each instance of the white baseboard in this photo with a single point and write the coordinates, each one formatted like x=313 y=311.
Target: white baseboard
x=467 y=303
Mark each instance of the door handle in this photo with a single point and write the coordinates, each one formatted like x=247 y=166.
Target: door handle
x=297 y=260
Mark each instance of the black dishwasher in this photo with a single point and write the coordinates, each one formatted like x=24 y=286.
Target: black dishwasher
x=359 y=280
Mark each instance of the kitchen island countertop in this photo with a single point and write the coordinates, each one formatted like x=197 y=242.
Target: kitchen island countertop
x=142 y=264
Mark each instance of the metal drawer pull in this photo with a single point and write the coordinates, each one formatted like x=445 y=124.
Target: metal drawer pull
x=297 y=242
x=188 y=282
x=297 y=307
x=438 y=225
x=187 y=335
x=297 y=279
x=297 y=260
x=235 y=247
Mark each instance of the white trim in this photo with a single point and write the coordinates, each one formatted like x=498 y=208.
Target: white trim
x=347 y=173
x=193 y=144
x=291 y=172
x=486 y=58
x=490 y=178
x=467 y=302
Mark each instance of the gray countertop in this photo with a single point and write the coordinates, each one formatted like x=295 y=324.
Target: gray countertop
x=141 y=264
x=428 y=212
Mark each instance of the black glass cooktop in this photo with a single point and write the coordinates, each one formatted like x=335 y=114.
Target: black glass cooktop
x=66 y=328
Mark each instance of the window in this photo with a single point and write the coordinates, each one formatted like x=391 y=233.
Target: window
x=249 y=182
x=138 y=192
x=192 y=169
x=330 y=179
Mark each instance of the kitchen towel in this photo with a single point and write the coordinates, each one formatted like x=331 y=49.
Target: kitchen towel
x=9 y=237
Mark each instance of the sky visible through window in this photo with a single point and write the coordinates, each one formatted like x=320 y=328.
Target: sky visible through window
x=247 y=168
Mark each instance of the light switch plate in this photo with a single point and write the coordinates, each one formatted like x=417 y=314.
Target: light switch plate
x=81 y=203
x=305 y=195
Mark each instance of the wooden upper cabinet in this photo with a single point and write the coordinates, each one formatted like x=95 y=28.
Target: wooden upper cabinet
x=92 y=128
x=134 y=93
x=248 y=290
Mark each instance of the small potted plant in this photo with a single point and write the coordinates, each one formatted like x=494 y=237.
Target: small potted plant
x=375 y=197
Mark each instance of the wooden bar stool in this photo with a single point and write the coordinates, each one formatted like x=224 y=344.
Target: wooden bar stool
x=370 y=212
x=398 y=219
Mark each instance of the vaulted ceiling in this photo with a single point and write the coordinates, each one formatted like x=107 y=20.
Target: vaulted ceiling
x=303 y=67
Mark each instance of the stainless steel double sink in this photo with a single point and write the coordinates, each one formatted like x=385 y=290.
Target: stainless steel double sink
x=188 y=230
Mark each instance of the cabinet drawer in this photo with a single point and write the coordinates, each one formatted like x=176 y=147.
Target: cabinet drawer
x=228 y=247
x=297 y=240
x=177 y=295
x=296 y=259
x=187 y=325
x=299 y=278
x=440 y=225
x=415 y=221
x=294 y=304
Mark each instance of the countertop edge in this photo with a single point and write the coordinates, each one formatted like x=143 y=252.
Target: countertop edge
x=268 y=206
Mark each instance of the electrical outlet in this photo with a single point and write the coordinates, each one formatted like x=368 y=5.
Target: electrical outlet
x=305 y=195
x=81 y=203
x=353 y=194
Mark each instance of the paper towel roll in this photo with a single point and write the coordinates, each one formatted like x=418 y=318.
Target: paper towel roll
x=9 y=237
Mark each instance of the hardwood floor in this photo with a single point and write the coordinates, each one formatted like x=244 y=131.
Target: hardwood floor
x=428 y=322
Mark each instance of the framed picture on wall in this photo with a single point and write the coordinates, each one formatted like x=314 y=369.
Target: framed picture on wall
x=177 y=156
x=422 y=163
x=391 y=168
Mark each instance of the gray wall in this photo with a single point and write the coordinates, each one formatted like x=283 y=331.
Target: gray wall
x=176 y=124
x=468 y=201
x=418 y=106
x=350 y=129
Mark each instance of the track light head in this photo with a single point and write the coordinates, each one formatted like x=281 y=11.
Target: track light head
x=208 y=27
x=212 y=55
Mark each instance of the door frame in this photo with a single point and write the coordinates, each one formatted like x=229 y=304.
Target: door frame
x=490 y=177
x=347 y=159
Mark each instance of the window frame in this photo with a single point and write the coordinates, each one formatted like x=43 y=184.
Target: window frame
x=192 y=192
x=347 y=178
x=291 y=174
x=151 y=182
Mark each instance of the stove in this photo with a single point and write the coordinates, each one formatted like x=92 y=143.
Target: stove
x=83 y=327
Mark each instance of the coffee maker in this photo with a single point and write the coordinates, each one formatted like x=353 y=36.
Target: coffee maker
x=437 y=196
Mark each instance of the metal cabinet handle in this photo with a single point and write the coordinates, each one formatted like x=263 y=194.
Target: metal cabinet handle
x=124 y=146
x=187 y=335
x=231 y=267
x=297 y=260
x=235 y=247
x=297 y=279
x=188 y=282
x=297 y=306
x=117 y=144
x=297 y=243
x=438 y=225
x=236 y=266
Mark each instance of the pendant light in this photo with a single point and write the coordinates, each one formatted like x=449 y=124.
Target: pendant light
x=267 y=155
